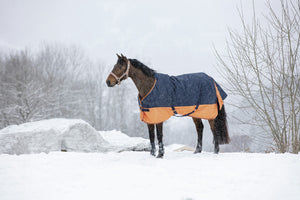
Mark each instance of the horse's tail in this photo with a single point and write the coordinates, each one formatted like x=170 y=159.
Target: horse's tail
x=221 y=129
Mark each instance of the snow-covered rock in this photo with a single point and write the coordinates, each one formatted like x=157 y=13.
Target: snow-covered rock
x=121 y=142
x=51 y=135
x=65 y=135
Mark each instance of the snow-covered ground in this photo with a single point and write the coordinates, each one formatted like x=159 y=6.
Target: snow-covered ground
x=137 y=175
x=117 y=167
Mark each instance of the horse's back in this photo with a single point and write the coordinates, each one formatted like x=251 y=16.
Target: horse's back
x=195 y=89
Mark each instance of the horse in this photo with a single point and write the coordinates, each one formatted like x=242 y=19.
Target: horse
x=162 y=96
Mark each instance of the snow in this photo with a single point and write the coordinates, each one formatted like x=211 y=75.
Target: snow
x=117 y=167
x=67 y=135
x=122 y=142
x=137 y=175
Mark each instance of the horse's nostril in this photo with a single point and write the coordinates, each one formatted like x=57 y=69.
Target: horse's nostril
x=108 y=83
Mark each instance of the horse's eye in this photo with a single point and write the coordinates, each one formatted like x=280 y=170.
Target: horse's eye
x=121 y=62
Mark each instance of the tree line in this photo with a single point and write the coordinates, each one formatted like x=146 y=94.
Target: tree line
x=58 y=81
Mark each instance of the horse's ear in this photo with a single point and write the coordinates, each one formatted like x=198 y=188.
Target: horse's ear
x=119 y=56
x=124 y=57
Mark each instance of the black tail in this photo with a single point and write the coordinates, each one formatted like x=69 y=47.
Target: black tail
x=220 y=125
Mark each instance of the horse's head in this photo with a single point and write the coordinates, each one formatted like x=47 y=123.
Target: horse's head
x=119 y=72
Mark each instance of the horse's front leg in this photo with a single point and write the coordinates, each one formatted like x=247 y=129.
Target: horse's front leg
x=152 y=137
x=159 y=131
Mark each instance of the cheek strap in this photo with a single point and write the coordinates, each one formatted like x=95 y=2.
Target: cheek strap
x=125 y=74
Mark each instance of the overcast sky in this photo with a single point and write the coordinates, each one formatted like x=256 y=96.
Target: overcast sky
x=170 y=36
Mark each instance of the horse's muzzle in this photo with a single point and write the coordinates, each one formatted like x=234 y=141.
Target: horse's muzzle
x=108 y=83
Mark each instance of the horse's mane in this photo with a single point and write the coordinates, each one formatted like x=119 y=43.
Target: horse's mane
x=146 y=70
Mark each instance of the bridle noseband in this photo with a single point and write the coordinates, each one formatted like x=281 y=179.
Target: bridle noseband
x=125 y=74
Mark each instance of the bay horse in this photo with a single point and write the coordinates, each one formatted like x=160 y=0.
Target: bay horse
x=162 y=96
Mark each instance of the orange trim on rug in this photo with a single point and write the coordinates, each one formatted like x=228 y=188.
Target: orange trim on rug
x=161 y=114
x=220 y=100
x=156 y=115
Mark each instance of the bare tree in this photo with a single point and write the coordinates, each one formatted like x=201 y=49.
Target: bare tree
x=40 y=86
x=261 y=66
x=17 y=87
x=95 y=88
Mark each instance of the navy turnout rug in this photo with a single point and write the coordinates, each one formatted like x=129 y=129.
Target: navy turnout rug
x=195 y=95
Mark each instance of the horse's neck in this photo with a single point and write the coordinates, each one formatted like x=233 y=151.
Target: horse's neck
x=142 y=82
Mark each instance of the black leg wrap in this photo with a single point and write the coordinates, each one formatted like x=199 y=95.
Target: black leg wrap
x=198 y=148
x=153 y=149
x=161 y=150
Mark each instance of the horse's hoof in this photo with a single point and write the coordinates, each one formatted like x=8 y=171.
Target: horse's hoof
x=152 y=154
x=216 y=151
x=197 y=151
x=160 y=156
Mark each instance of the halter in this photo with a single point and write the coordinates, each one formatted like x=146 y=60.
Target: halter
x=125 y=74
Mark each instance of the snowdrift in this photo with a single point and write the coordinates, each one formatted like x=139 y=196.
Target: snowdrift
x=51 y=135
x=121 y=142
x=64 y=135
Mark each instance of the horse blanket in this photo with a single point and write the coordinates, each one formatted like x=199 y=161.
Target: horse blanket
x=195 y=95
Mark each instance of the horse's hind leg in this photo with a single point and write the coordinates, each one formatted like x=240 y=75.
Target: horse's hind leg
x=152 y=137
x=213 y=130
x=159 y=132
x=199 y=128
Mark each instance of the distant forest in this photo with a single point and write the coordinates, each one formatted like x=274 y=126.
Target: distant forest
x=60 y=81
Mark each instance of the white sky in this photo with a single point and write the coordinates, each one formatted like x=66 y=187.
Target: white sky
x=171 y=36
